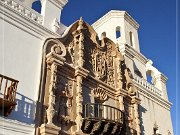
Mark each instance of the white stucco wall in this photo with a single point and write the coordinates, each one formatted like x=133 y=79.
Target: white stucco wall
x=21 y=43
x=151 y=112
x=21 y=59
x=139 y=66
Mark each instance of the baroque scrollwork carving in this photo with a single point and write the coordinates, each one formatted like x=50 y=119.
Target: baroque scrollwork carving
x=104 y=62
x=87 y=58
x=100 y=94
x=59 y=49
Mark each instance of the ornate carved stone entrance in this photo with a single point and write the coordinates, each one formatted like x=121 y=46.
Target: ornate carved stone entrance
x=86 y=87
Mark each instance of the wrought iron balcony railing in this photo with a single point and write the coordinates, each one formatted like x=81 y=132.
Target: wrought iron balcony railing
x=8 y=87
x=103 y=112
x=102 y=119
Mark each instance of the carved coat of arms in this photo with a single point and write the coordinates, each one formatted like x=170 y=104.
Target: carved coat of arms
x=99 y=64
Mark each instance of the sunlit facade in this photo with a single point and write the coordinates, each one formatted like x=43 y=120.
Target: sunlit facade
x=77 y=79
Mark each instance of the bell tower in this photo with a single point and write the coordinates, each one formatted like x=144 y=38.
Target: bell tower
x=120 y=27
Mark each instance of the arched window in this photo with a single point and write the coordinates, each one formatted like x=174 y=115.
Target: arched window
x=118 y=32
x=131 y=36
x=103 y=35
x=37 y=6
x=149 y=76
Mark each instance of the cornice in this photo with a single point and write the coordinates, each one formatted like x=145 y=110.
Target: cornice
x=24 y=23
x=131 y=21
x=116 y=14
x=132 y=53
x=160 y=77
x=80 y=71
x=59 y=3
x=8 y=124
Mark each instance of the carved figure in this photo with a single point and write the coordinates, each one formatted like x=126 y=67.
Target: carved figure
x=10 y=90
x=67 y=95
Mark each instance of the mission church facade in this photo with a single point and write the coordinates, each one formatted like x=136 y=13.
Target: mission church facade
x=81 y=79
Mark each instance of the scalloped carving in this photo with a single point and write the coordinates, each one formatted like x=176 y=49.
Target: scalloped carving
x=100 y=93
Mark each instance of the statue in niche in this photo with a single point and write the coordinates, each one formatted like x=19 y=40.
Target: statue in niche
x=71 y=52
x=65 y=104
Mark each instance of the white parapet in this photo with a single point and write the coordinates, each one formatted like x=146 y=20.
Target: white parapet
x=147 y=85
x=25 y=11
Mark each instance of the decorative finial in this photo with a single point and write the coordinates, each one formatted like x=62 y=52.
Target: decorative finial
x=80 y=23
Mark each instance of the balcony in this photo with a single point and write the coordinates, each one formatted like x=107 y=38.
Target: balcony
x=8 y=87
x=102 y=119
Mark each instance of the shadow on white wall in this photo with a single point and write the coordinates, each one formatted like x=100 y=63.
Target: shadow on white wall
x=24 y=110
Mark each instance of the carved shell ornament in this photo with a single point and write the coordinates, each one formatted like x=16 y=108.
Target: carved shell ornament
x=59 y=49
x=100 y=94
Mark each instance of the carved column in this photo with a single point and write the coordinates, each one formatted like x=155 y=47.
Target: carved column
x=79 y=42
x=51 y=103
x=54 y=59
x=80 y=73
x=79 y=100
x=50 y=128
x=119 y=74
x=135 y=103
x=119 y=59
x=81 y=52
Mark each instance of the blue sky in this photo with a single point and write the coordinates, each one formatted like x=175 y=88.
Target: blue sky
x=157 y=32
